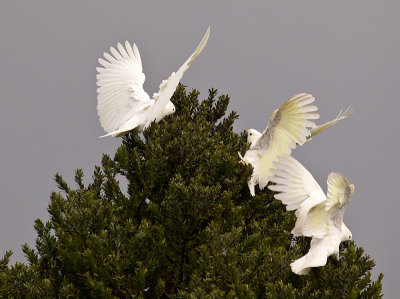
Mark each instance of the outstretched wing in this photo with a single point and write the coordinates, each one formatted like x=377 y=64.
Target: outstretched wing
x=289 y=123
x=342 y=115
x=295 y=183
x=120 y=94
x=167 y=87
x=298 y=190
x=322 y=215
x=339 y=196
x=287 y=126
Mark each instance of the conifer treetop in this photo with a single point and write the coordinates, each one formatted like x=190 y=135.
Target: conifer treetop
x=171 y=216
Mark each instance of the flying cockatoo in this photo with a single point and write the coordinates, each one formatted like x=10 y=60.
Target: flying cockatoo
x=253 y=136
x=318 y=216
x=122 y=103
x=287 y=127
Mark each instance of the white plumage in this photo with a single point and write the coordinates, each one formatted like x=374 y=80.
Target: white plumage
x=318 y=216
x=320 y=249
x=266 y=147
x=122 y=103
x=289 y=125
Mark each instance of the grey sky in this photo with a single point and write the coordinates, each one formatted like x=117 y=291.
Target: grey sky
x=260 y=53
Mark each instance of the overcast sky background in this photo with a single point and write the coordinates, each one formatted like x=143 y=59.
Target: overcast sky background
x=343 y=52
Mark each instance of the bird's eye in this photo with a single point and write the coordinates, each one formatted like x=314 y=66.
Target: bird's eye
x=251 y=134
x=349 y=237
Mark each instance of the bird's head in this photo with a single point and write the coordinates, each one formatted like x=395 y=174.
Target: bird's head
x=169 y=109
x=252 y=136
x=346 y=233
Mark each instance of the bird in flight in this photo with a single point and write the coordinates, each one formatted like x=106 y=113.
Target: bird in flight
x=319 y=216
x=289 y=125
x=122 y=103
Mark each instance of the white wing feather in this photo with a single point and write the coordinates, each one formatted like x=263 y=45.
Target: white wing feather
x=337 y=190
x=287 y=126
x=122 y=102
x=329 y=212
x=316 y=222
x=120 y=92
x=294 y=182
x=298 y=189
x=167 y=87
x=318 y=216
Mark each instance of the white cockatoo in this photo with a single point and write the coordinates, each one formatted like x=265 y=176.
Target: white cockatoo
x=253 y=136
x=289 y=125
x=122 y=103
x=318 y=216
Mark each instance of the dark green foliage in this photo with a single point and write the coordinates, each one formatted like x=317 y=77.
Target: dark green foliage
x=183 y=226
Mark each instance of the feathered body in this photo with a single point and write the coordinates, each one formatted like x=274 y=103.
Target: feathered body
x=122 y=103
x=321 y=249
x=318 y=215
x=289 y=125
x=295 y=128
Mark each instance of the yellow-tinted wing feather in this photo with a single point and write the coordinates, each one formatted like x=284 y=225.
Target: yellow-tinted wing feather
x=316 y=224
x=287 y=126
x=338 y=190
x=330 y=211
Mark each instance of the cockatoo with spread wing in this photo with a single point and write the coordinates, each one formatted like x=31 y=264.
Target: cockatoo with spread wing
x=289 y=125
x=318 y=216
x=122 y=103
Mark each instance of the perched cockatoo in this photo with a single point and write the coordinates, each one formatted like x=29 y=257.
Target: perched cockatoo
x=289 y=125
x=318 y=216
x=122 y=103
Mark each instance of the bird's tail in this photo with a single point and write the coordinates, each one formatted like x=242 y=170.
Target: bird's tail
x=299 y=267
x=125 y=128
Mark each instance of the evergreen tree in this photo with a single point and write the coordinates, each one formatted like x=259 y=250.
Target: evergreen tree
x=184 y=225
